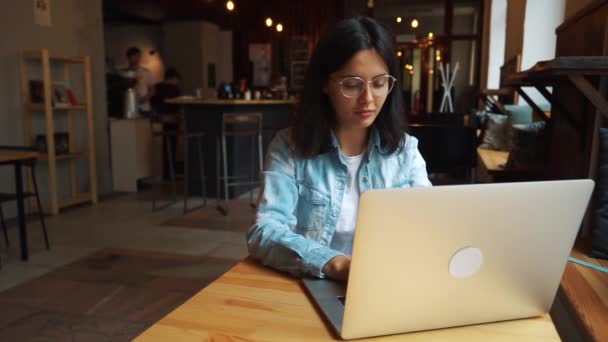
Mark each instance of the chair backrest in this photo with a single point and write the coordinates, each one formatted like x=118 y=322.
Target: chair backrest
x=237 y=123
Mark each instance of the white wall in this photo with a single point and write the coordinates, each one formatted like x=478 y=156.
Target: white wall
x=147 y=37
x=542 y=18
x=496 y=56
x=205 y=44
x=76 y=29
x=225 y=72
x=210 y=48
x=188 y=61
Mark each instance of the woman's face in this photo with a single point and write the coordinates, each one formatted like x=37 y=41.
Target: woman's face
x=358 y=103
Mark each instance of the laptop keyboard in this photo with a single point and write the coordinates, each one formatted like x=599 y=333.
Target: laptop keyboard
x=342 y=300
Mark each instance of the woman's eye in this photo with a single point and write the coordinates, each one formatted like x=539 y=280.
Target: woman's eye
x=351 y=84
x=379 y=83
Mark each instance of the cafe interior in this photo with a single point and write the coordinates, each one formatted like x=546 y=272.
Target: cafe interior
x=133 y=136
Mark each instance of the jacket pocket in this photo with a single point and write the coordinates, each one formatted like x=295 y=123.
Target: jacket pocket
x=311 y=209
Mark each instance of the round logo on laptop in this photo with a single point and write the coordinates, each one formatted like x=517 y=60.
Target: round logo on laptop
x=466 y=262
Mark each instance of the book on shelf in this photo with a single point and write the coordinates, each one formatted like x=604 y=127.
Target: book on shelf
x=62 y=93
x=72 y=97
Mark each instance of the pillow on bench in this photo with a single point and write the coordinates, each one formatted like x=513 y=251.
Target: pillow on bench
x=520 y=114
x=599 y=242
x=528 y=147
x=496 y=134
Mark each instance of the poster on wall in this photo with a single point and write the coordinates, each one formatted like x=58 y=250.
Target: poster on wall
x=260 y=56
x=42 y=12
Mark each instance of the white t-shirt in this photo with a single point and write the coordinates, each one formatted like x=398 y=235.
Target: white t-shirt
x=342 y=240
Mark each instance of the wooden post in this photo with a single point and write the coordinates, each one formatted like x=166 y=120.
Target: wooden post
x=67 y=70
x=27 y=121
x=50 y=130
x=91 y=129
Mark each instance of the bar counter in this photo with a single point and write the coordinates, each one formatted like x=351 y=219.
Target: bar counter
x=205 y=115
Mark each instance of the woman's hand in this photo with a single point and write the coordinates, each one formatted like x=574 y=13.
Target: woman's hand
x=337 y=268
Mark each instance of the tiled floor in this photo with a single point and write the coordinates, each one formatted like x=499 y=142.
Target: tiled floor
x=120 y=222
x=113 y=269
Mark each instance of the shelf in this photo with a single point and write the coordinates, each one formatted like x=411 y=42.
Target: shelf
x=40 y=106
x=73 y=115
x=62 y=59
x=66 y=156
x=78 y=199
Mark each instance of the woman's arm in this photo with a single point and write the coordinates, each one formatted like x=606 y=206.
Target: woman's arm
x=271 y=238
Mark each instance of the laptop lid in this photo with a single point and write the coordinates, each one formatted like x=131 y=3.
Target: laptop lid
x=428 y=258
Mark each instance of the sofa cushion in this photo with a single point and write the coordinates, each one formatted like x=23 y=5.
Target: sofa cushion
x=497 y=132
x=528 y=146
x=599 y=242
x=520 y=114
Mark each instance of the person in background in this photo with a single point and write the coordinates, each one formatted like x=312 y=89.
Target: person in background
x=168 y=113
x=142 y=80
x=168 y=88
x=347 y=137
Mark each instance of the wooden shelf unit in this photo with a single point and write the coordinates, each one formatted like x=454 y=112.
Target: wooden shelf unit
x=39 y=107
x=48 y=61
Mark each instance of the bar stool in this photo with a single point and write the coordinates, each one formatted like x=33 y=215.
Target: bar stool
x=168 y=136
x=198 y=138
x=238 y=125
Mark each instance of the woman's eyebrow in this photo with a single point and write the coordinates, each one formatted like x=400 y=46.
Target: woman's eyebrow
x=352 y=75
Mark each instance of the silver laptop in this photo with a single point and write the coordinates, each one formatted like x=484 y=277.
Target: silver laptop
x=428 y=258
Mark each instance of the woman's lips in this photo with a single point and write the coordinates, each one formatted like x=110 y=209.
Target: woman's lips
x=365 y=113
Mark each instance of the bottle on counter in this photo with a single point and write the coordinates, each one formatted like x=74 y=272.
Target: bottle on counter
x=131 y=110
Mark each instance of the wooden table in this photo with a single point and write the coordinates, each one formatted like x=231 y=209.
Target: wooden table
x=585 y=293
x=253 y=303
x=17 y=159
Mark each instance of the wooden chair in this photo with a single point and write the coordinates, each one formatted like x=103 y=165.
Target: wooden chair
x=495 y=99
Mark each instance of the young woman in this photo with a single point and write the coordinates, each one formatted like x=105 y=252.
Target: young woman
x=348 y=137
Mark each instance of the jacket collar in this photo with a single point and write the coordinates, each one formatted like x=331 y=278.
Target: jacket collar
x=374 y=140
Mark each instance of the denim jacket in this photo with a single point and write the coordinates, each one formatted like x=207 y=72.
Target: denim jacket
x=301 y=199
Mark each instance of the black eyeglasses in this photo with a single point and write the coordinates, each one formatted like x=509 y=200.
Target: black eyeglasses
x=352 y=86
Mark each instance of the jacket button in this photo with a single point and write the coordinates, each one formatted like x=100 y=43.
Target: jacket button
x=364 y=179
x=340 y=185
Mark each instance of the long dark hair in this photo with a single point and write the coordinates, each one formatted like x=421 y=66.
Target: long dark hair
x=315 y=117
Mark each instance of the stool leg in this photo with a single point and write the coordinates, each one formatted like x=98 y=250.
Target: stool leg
x=260 y=163
x=225 y=162
x=186 y=172
x=217 y=173
x=40 y=210
x=201 y=165
x=169 y=145
x=4 y=226
x=252 y=170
